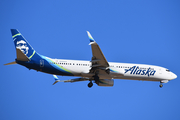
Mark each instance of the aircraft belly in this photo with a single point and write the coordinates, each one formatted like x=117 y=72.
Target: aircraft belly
x=101 y=76
x=143 y=78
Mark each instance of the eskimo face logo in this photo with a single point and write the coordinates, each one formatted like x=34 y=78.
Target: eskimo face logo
x=22 y=45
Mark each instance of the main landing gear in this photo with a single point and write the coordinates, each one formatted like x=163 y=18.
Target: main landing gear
x=90 y=84
x=96 y=78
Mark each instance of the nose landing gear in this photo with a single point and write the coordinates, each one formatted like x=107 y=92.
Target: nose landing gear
x=161 y=85
x=90 y=84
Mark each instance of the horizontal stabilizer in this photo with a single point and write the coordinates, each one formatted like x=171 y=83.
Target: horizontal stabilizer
x=56 y=82
x=11 y=63
x=21 y=56
x=71 y=80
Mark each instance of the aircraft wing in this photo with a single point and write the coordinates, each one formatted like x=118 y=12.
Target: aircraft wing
x=71 y=80
x=98 y=60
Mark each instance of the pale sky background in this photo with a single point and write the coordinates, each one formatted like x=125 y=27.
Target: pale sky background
x=127 y=31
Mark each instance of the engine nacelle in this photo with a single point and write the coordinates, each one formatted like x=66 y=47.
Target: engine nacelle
x=105 y=82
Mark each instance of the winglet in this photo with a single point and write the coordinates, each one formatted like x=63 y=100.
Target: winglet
x=56 y=79
x=90 y=37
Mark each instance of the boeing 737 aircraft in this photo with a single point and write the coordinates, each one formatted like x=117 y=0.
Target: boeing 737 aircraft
x=98 y=70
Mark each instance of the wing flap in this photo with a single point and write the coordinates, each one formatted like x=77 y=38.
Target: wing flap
x=98 y=56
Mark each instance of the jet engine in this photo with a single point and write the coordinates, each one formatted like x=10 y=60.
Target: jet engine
x=105 y=82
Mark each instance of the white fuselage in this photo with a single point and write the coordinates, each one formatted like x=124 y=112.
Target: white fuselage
x=120 y=70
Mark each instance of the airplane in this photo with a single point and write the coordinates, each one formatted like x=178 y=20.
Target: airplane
x=98 y=70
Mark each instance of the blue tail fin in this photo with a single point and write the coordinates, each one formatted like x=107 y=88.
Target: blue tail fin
x=21 y=44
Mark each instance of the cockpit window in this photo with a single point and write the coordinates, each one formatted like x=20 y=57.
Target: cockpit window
x=167 y=70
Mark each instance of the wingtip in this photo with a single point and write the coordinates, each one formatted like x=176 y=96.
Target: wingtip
x=56 y=79
x=90 y=37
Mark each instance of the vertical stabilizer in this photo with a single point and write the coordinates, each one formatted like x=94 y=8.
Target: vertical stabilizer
x=21 y=43
x=23 y=49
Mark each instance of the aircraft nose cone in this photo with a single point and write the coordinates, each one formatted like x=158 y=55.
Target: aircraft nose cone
x=174 y=76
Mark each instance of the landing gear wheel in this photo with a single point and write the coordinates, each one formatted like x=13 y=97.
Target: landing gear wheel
x=90 y=84
x=160 y=85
